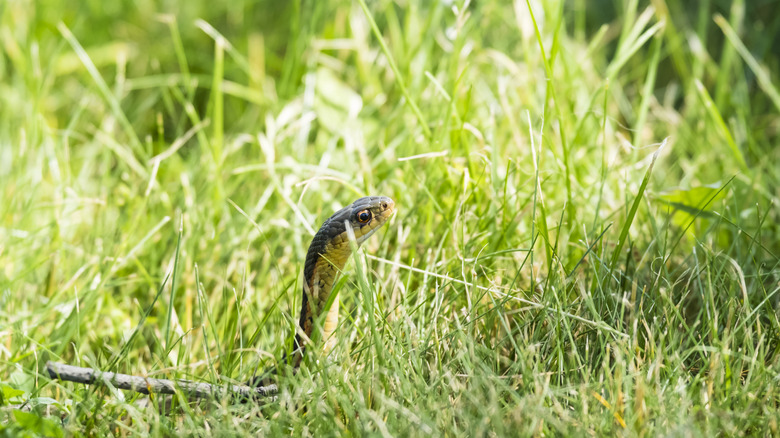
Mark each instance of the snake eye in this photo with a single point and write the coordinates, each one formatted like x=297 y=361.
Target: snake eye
x=364 y=216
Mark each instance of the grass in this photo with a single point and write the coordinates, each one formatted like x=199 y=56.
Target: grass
x=586 y=239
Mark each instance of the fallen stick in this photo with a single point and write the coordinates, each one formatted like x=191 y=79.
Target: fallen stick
x=148 y=385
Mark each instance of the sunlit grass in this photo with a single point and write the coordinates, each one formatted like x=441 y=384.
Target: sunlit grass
x=586 y=237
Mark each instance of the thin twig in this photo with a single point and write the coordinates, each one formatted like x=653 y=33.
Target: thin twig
x=148 y=385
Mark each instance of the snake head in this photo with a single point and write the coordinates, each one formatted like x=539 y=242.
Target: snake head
x=366 y=215
x=331 y=243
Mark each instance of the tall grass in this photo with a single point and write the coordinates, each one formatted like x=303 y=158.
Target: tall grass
x=586 y=237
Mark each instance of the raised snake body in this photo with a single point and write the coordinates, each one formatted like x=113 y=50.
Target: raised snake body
x=328 y=253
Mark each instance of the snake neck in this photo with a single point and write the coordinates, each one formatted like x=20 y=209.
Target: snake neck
x=328 y=253
x=324 y=261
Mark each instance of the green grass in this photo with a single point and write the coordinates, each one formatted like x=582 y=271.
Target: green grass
x=586 y=238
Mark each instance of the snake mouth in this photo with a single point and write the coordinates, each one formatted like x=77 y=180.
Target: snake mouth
x=386 y=209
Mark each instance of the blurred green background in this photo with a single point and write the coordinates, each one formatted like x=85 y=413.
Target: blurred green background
x=586 y=238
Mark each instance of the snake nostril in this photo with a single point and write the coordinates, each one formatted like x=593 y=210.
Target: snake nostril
x=384 y=205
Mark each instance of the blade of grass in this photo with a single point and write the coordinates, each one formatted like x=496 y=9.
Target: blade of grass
x=632 y=212
x=764 y=81
x=723 y=84
x=550 y=91
x=169 y=318
x=398 y=77
x=709 y=105
x=647 y=90
x=218 y=101
x=105 y=90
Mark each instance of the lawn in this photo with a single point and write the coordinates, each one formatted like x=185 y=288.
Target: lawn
x=586 y=239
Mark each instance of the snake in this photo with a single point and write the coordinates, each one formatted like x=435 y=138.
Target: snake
x=326 y=257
